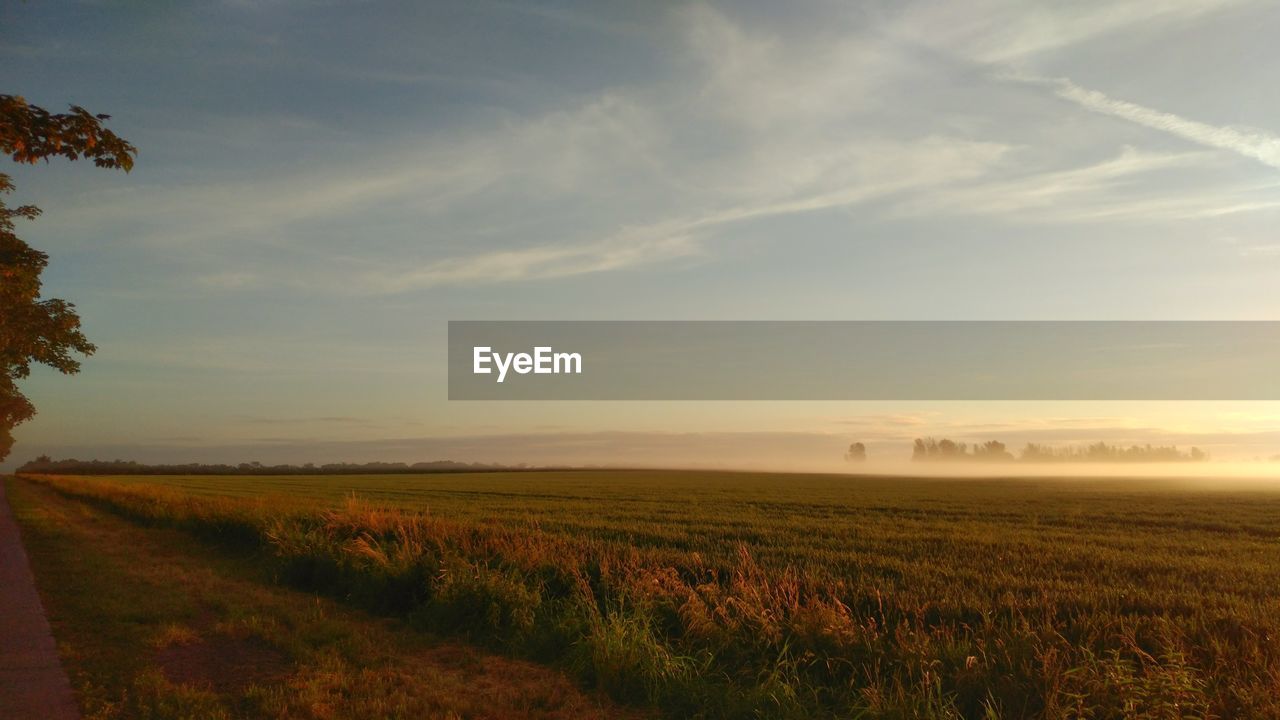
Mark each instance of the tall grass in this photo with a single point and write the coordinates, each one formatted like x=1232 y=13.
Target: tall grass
x=988 y=629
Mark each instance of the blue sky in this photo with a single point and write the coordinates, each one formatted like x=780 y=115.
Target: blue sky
x=321 y=186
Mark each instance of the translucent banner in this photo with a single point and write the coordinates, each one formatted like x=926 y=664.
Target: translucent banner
x=864 y=360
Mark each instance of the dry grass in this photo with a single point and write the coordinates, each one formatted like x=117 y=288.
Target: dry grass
x=154 y=624
x=877 y=598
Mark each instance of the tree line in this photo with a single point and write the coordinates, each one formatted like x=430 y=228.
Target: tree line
x=46 y=465
x=947 y=450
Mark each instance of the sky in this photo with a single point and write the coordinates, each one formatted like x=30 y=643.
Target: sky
x=321 y=186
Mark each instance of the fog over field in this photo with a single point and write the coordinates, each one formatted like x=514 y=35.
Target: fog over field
x=781 y=452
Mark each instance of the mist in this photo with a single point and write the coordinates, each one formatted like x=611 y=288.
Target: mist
x=744 y=451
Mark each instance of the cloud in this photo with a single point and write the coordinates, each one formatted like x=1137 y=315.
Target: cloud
x=1254 y=144
x=556 y=154
x=750 y=123
x=758 y=80
x=342 y=420
x=537 y=263
x=1008 y=31
x=1046 y=192
x=868 y=171
x=258 y=208
x=1123 y=188
x=1254 y=251
x=229 y=280
x=251 y=354
x=629 y=155
x=1133 y=186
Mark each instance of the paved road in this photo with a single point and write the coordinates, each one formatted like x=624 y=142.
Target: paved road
x=32 y=682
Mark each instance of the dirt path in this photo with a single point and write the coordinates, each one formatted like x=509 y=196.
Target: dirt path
x=32 y=682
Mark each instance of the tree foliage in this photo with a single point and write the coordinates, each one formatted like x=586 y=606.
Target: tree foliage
x=29 y=133
x=35 y=330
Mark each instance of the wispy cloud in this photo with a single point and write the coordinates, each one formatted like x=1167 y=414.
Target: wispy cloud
x=341 y=420
x=1120 y=188
x=1254 y=144
x=753 y=122
x=1009 y=31
x=883 y=169
x=536 y=263
x=255 y=355
x=755 y=79
x=556 y=154
x=1047 y=192
x=1252 y=251
x=229 y=280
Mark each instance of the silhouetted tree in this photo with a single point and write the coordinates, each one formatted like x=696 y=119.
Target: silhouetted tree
x=857 y=453
x=1035 y=452
x=944 y=449
x=1102 y=452
x=35 y=330
x=992 y=451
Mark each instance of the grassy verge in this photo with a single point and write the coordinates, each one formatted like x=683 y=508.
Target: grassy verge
x=1168 y=618
x=154 y=623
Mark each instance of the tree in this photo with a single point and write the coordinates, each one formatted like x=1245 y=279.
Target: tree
x=992 y=451
x=857 y=453
x=35 y=330
x=929 y=449
x=947 y=450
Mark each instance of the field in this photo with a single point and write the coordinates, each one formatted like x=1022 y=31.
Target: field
x=766 y=595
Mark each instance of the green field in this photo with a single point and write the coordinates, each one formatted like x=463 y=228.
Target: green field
x=768 y=595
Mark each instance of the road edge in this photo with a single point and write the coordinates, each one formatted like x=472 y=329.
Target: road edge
x=33 y=684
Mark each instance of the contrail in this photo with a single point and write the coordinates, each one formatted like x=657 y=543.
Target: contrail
x=1255 y=144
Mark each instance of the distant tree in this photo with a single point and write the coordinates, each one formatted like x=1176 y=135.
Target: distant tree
x=1102 y=452
x=35 y=330
x=943 y=450
x=857 y=453
x=929 y=449
x=1034 y=452
x=992 y=451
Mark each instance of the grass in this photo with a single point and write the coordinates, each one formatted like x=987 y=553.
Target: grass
x=754 y=595
x=154 y=624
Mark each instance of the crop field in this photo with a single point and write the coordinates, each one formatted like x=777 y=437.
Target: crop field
x=708 y=594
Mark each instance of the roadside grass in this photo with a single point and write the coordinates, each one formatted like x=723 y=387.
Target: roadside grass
x=727 y=596
x=153 y=623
